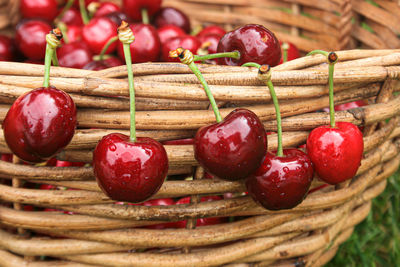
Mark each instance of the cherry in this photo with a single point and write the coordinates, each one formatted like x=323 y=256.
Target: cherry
x=201 y=221
x=210 y=42
x=87 y=2
x=106 y=8
x=234 y=148
x=281 y=182
x=31 y=38
x=172 y=16
x=74 y=33
x=254 y=42
x=291 y=52
x=169 y=31
x=6 y=48
x=117 y=17
x=146 y=46
x=133 y=8
x=74 y=55
x=336 y=152
x=44 y=9
x=186 y=141
x=212 y=29
x=97 y=33
x=350 y=105
x=113 y=62
x=72 y=17
x=187 y=42
x=161 y=202
x=103 y=64
x=60 y=163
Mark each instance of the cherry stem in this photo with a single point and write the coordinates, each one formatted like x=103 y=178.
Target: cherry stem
x=67 y=6
x=63 y=28
x=285 y=48
x=187 y=58
x=252 y=64
x=54 y=59
x=84 y=14
x=145 y=16
x=53 y=40
x=264 y=74
x=106 y=46
x=126 y=37
x=332 y=59
x=234 y=54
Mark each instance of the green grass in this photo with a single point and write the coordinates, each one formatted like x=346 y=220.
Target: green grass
x=376 y=241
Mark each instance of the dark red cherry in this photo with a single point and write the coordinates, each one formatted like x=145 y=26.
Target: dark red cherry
x=292 y=52
x=146 y=46
x=234 y=148
x=40 y=124
x=6 y=48
x=96 y=65
x=336 y=152
x=61 y=163
x=128 y=171
x=255 y=44
x=117 y=17
x=281 y=182
x=213 y=29
x=31 y=38
x=72 y=17
x=201 y=221
x=113 y=62
x=44 y=9
x=74 y=55
x=133 y=8
x=186 y=41
x=97 y=33
x=186 y=141
x=210 y=41
x=106 y=8
x=172 y=16
x=169 y=31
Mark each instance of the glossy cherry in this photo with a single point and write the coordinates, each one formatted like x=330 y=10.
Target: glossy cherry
x=255 y=43
x=292 y=52
x=106 y=8
x=117 y=17
x=133 y=8
x=234 y=148
x=74 y=33
x=169 y=31
x=186 y=141
x=44 y=9
x=6 y=48
x=172 y=16
x=72 y=17
x=147 y=44
x=31 y=38
x=74 y=55
x=210 y=42
x=129 y=171
x=212 y=29
x=187 y=42
x=336 y=152
x=97 y=33
x=281 y=182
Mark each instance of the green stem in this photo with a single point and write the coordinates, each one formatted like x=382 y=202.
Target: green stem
x=251 y=64
x=315 y=52
x=106 y=46
x=47 y=64
x=199 y=76
x=54 y=59
x=128 y=60
x=234 y=54
x=145 y=16
x=84 y=14
x=67 y=6
x=279 y=153
x=63 y=28
x=331 y=100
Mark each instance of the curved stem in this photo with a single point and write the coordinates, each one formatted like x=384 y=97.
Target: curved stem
x=47 y=63
x=128 y=60
x=54 y=59
x=315 y=52
x=251 y=64
x=234 y=54
x=331 y=98
x=67 y=6
x=145 y=16
x=106 y=46
x=84 y=14
x=199 y=76
x=279 y=152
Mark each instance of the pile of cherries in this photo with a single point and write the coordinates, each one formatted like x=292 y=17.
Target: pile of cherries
x=131 y=169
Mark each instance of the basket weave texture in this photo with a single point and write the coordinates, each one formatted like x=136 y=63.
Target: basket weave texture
x=173 y=105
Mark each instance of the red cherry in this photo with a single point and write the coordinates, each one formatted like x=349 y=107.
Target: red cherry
x=40 y=124
x=97 y=33
x=6 y=48
x=113 y=62
x=72 y=17
x=214 y=29
x=292 y=52
x=74 y=55
x=187 y=42
x=281 y=182
x=255 y=44
x=169 y=31
x=336 y=152
x=172 y=16
x=234 y=148
x=133 y=8
x=31 y=38
x=44 y=9
x=201 y=221
x=34 y=61
x=61 y=163
x=146 y=46
x=96 y=65
x=74 y=33
x=106 y=8
x=211 y=41
x=6 y=157
x=350 y=105
x=117 y=17
x=186 y=141
x=128 y=171
x=87 y=2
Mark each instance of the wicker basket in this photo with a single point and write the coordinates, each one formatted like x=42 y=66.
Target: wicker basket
x=172 y=106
